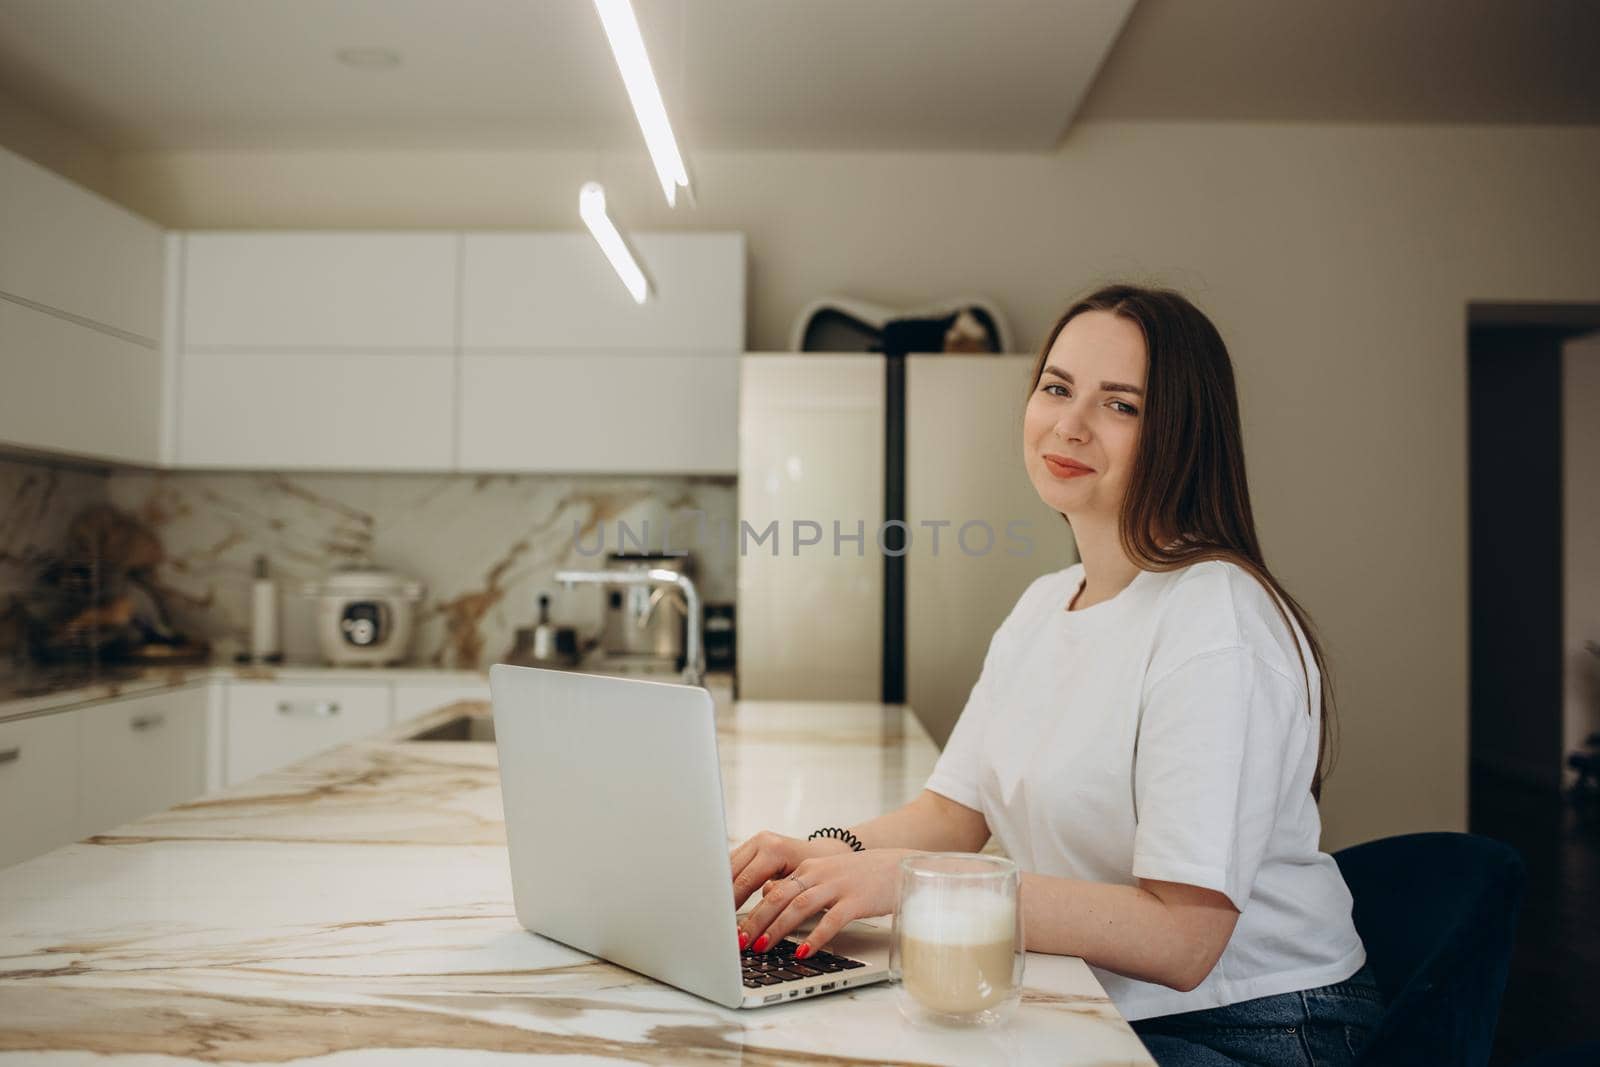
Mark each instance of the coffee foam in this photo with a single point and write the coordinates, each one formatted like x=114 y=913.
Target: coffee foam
x=959 y=918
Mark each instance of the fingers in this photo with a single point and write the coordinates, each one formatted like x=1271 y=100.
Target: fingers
x=800 y=908
x=785 y=906
x=740 y=856
x=760 y=869
x=838 y=917
x=764 y=864
x=774 y=898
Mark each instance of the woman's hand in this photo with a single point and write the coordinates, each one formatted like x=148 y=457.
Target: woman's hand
x=848 y=886
x=768 y=855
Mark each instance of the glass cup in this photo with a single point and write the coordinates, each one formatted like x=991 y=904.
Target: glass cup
x=957 y=953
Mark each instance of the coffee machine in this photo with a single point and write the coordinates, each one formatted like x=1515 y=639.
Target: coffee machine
x=644 y=625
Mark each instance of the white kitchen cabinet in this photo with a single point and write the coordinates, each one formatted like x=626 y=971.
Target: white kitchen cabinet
x=38 y=785
x=320 y=291
x=811 y=621
x=615 y=412
x=81 y=284
x=67 y=248
x=557 y=292
x=139 y=755
x=316 y=411
x=271 y=724
x=412 y=699
x=449 y=351
x=72 y=389
x=974 y=476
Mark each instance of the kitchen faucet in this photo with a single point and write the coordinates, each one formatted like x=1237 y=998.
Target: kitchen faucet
x=694 y=666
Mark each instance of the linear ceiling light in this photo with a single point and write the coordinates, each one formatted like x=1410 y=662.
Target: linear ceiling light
x=592 y=206
x=622 y=30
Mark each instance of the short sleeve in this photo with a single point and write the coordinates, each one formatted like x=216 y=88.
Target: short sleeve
x=1218 y=738
x=960 y=766
x=956 y=773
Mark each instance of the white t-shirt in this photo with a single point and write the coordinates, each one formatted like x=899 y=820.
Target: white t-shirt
x=1163 y=734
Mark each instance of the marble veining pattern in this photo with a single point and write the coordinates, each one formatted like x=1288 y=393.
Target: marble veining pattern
x=37 y=502
x=484 y=545
x=356 y=908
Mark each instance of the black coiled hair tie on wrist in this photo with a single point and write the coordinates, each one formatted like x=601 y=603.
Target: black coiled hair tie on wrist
x=839 y=835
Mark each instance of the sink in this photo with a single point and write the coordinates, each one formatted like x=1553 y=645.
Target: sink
x=481 y=727
x=460 y=728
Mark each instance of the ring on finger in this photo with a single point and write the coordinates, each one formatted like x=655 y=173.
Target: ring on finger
x=798 y=882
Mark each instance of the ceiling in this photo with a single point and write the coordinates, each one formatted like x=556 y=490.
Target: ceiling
x=1010 y=75
x=1418 y=61
x=995 y=74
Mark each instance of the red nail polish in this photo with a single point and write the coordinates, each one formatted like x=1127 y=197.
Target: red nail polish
x=744 y=939
x=761 y=943
x=803 y=951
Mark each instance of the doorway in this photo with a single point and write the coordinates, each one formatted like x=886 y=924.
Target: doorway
x=1517 y=408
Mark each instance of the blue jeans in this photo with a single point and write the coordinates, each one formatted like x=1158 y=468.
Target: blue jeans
x=1323 y=1027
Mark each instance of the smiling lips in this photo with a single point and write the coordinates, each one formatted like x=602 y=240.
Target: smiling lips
x=1062 y=467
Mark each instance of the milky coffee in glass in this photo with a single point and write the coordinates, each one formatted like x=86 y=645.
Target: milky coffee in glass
x=958 y=938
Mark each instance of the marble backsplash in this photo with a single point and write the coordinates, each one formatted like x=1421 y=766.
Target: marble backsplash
x=37 y=503
x=484 y=546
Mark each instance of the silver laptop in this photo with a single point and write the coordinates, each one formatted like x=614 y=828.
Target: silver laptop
x=619 y=842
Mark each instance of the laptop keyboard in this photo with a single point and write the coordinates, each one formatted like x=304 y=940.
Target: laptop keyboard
x=778 y=964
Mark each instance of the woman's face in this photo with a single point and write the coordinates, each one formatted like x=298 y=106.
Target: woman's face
x=1085 y=411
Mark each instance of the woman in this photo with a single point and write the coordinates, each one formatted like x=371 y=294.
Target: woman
x=1146 y=738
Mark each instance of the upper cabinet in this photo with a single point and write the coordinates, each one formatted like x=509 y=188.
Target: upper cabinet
x=317 y=351
x=359 y=350
x=71 y=250
x=81 y=291
x=557 y=292
x=504 y=351
x=329 y=410
x=76 y=390
x=562 y=371
x=613 y=412
x=320 y=291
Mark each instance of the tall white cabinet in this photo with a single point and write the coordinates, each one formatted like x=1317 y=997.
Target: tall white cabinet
x=811 y=617
x=964 y=465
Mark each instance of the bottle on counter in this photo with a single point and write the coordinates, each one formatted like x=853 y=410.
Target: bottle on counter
x=544 y=634
x=263 y=616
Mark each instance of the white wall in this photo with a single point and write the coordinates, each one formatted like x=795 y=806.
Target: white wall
x=1580 y=474
x=1337 y=260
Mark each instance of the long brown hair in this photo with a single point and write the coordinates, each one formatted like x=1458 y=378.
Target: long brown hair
x=1187 y=499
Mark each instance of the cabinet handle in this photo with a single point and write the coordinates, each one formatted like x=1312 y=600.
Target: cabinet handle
x=10 y=755
x=147 y=722
x=323 y=709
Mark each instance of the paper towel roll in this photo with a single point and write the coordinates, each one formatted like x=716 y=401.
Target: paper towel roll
x=263 y=619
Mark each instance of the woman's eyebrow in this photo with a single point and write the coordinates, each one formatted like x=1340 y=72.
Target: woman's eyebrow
x=1109 y=387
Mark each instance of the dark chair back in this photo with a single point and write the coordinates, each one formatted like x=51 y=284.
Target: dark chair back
x=1583 y=1054
x=1436 y=912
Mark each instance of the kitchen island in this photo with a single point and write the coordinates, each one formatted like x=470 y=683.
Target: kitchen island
x=357 y=906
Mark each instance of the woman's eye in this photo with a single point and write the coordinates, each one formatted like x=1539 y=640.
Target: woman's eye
x=1056 y=385
x=1126 y=409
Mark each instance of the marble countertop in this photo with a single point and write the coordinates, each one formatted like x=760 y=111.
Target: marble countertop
x=357 y=906
x=40 y=690
x=36 y=690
